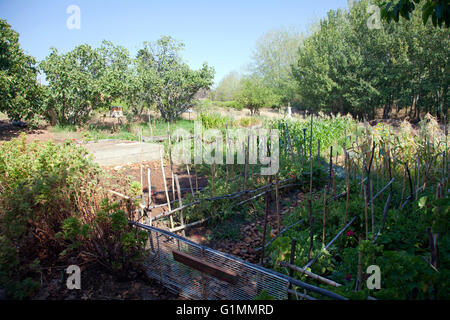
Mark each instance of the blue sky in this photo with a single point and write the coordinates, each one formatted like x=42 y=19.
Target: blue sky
x=221 y=33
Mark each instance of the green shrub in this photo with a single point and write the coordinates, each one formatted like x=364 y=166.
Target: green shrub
x=51 y=209
x=213 y=120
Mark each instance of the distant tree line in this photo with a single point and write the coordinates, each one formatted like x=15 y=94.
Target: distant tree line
x=356 y=62
x=87 y=79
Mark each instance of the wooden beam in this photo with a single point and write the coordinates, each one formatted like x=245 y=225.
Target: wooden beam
x=205 y=267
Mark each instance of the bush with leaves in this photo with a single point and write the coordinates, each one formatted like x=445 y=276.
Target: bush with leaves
x=21 y=96
x=51 y=209
x=254 y=95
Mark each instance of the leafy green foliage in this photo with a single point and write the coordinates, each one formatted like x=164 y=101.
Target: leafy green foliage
x=438 y=10
x=345 y=67
x=51 y=210
x=254 y=95
x=83 y=80
x=273 y=56
x=20 y=95
x=172 y=84
x=227 y=88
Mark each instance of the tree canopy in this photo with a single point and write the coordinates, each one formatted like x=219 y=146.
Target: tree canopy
x=20 y=93
x=172 y=84
x=84 y=79
x=439 y=10
x=272 y=58
x=228 y=87
x=346 y=67
x=254 y=94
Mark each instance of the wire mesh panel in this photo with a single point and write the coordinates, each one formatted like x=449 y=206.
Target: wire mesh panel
x=250 y=281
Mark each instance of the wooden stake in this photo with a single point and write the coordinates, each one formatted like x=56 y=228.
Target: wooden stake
x=149 y=181
x=213 y=174
x=360 y=273
x=334 y=183
x=277 y=200
x=292 y=261
x=324 y=214
x=265 y=228
x=311 y=221
x=181 y=203
x=318 y=149
x=331 y=166
x=165 y=187
x=196 y=179
x=310 y=161
x=347 y=188
x=190 y=181
x=365 y=212
x=170 y=146
x=372 y=210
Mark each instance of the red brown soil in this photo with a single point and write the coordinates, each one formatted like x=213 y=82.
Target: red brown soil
x=119 y=174
x=8 y=132
x=99 y=285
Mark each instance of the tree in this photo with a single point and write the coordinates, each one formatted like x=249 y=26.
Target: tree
x=439 y=10
x=254 y=94
x=274 y=54
x=20 y=94
x=346 y=67
x=228 y=87
x=170 y=83
x=84 y=80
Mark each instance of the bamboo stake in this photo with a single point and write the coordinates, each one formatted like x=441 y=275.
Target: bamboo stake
x=292 y=261
x=432 y=239
x=196 y=179
x=304 y=144
x=331 y=166
x=293 y=267
x=190 y=180
x=149 y=181
x=418 y=177
x=278 y=235
x=386 y=209
x=403 y=187
x=189 y=225
x=165 y=187
x=245 y=166
x=382 y=190
x=265 y=228
x=318 y=149
x=311 y=221
x=372 y=210
x=347 y=186
x=365 y=213
x=181 y=202
x=277 y=201
x=173 y=187
x=310 y=160
x=213 y=174
x=301 y=295
x=289 y=141
x=170 y=148
x=311 y=262
x=360 y=274
x=334 y=182
x=324 y=214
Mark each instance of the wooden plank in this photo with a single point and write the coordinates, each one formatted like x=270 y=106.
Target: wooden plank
x=205 y=267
